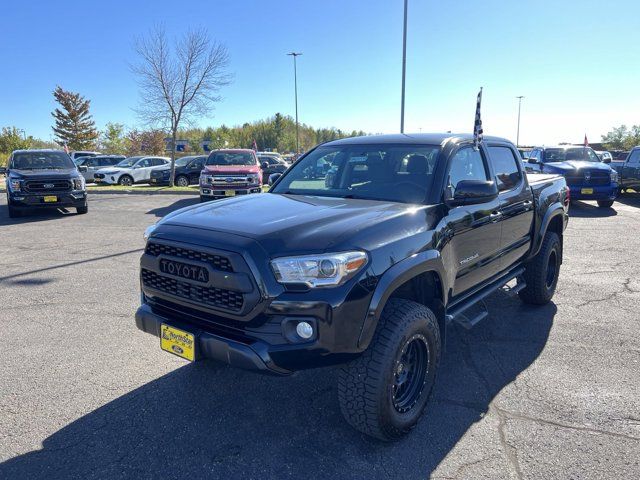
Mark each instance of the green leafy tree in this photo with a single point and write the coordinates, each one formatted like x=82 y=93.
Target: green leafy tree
x=11 y=139
x=146 y=142
x=74 y=125
x=113 y=139
x=622 y=138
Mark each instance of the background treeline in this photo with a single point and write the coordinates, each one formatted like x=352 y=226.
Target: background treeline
x=277 y=133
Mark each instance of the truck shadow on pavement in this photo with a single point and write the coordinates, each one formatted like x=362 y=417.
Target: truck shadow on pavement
x=162 y=211
x=586 y=210
x=205 y=420
x=630 y=198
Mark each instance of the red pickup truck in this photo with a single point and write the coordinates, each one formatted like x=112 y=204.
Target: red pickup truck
x=228 y=173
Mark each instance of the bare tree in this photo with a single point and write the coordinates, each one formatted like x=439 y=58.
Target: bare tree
x=179 y=83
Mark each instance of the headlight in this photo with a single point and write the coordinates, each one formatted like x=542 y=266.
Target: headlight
x=254 y=178
x=148 y=231
x=324 y=270
x=15 y=185
x=614 y=177
x=78 y=183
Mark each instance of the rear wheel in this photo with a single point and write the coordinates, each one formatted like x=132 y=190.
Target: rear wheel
x=384 y=392
x=82 y=210
x=125 y=181
x=605 y=203
x=541 y=274
x=182 y=181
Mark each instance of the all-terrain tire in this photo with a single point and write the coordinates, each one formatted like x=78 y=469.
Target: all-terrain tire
x=605 y=203
x=541 y=273
x=368 y=390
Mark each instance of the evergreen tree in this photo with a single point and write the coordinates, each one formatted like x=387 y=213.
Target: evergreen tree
x=74 y=125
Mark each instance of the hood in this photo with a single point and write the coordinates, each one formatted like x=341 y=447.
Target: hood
x=240 y=169
x=297 y=224
x=571 y=165
x=53 y=173
x=112 y=169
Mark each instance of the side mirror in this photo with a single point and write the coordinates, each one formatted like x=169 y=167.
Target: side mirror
x=471 y=192
x=532 y=160
x=273 y=178
x=3 y=171
x=265 y=165
x=606 y=160
x=82 y=168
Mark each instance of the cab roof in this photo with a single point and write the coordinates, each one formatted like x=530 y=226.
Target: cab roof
x=411 y=139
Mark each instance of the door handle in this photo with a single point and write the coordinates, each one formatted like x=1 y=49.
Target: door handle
x=527 y=204
x=495 y=216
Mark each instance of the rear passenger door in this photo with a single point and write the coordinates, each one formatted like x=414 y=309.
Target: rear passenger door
x=473 y=229
x=194 y=168
x=631 y=170
x=516 y=203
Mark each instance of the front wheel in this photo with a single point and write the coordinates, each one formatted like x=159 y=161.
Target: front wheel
x=182 y=181
x=541 y=274
x=82 y=210
x=384 y=392
x=605 y=203
x=125 y=181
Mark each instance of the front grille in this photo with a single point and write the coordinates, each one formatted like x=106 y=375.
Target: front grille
x=37 y=186
x=213 y=297
x=216 y=261
x=596 y=177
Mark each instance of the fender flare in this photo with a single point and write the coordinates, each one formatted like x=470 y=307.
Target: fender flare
x=553 y=211
x=391 y=279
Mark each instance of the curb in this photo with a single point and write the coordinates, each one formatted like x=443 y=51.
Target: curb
x=134 y=192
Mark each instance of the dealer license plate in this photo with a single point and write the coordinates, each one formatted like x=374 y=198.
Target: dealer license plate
x=587 y=191
x=178 y=342
x=229 y=193
x=50 y=198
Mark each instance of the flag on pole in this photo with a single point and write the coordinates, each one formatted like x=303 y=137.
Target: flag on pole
x=586 y=142
x=66 y=148
x=477 y=126
x=255 y=146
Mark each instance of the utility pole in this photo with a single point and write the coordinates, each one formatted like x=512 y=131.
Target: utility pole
x=295 y=82
x=520 y=97
x=404 y=65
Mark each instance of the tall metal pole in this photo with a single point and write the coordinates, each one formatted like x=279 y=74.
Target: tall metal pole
x=295 y=80
x=518 y=132
x=404 y=64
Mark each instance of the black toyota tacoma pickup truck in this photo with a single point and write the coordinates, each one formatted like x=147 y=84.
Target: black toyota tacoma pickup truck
x=37 y=179
x=363 y=266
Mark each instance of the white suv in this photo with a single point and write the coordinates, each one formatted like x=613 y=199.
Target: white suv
x=130 y=170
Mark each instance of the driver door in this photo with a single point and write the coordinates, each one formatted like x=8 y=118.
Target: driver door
x=474 y=230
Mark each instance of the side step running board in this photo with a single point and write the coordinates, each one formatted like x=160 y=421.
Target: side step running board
x=456 y=312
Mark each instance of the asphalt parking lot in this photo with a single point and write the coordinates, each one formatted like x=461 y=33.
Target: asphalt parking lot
x=551 y=392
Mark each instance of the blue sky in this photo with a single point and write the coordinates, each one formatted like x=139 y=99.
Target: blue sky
x=576 y=62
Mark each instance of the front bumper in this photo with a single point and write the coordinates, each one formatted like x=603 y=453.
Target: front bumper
x=254 y=356
x=107 y=179
x=73 y=199
x=215 y=191
x=605 y=192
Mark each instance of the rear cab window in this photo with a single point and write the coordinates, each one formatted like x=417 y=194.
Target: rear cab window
x=505 y=167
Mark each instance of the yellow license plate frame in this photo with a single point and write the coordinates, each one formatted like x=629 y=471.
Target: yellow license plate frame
x=178 y=342
x=229 y=193
x=586 y=191
x=50 y=198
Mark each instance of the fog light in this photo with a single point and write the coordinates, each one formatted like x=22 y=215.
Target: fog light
x=304 y=330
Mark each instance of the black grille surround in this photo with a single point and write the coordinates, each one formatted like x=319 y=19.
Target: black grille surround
x=209 y=296
x=596 y=177
x=218 y=262
x=47 y=185
x=229 y=295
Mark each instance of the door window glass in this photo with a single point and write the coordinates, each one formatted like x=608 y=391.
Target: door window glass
x=635 y=156
x=467 y=164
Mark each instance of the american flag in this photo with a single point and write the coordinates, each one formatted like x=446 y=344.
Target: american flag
x=477 y=126
x=586 y=142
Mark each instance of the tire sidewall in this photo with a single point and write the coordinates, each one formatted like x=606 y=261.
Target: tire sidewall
x=123 y=177
x=400 y=423
x=554 y=247
x=184 y=179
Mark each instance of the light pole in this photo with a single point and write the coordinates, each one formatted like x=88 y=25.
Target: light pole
x=520 y=97
x=404 y=65
x=295 y=80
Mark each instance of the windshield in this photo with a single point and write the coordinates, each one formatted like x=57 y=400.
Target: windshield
x=563 y=154
x=231 y=158
x=395 y=173
x=128 y=162
x=42 y=161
